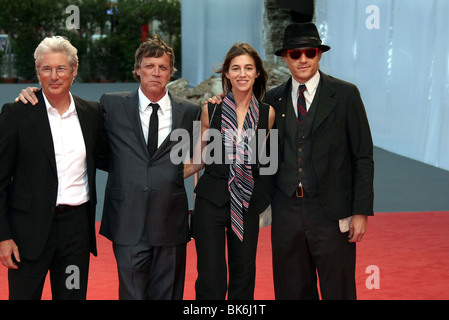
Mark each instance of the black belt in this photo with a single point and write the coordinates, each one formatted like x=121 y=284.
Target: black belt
x=65 y=207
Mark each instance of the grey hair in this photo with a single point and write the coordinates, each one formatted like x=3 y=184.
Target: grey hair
x=56 y=44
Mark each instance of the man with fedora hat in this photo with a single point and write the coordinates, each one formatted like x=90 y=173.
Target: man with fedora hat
x=324 y=184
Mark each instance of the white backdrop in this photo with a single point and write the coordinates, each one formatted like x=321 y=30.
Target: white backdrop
x=401 y=69
x=211 y=27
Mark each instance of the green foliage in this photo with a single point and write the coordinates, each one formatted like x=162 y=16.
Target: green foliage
x=168 y=13
x=112 y=56
x=25 y=22
x=93 y=17
x=117 y=50
x=1 y=62
x=25 y=44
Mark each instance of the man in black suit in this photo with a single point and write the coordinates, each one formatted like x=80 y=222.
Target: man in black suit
x=324 y=184
x=47 y=181
x=145 y=211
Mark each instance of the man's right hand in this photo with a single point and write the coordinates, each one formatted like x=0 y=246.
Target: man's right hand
x=8 y=248
x=215 y=99
x=27 y=95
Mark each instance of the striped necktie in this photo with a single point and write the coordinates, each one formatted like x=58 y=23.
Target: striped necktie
x=301 y=104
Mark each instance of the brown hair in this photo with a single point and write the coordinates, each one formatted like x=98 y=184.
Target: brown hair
x=153 y=48
x=238 y=49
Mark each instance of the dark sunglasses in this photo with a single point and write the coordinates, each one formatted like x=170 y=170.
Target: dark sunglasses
x=310 y=53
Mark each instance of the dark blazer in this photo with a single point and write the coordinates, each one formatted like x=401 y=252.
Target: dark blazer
x=28 y=176
x=341 y=147
x=141 y=190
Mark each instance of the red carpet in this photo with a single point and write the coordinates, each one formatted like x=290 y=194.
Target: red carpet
x=410 y=251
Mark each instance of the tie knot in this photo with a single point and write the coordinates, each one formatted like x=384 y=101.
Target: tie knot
x=301 y=89
x=155 y=106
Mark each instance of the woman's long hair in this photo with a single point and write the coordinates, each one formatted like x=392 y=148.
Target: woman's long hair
x=238 y=49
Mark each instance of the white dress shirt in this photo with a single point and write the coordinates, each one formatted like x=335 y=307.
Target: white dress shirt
x=164 y=115
x=309 y=93
x=70 y=155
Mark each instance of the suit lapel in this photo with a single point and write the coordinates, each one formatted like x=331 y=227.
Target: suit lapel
x=326 y=100
x=85 y=122
x=285 y=115
x=86 y=118
x=176 y=104
x=41 y=125
x=132 y=110
x=176 y=107
x=131 y=107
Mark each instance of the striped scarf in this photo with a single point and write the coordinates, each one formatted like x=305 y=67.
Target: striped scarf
x=241 y=181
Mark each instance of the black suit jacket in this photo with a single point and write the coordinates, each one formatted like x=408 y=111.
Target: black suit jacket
x=142 y=190
x=28 y=176
x=341 y=147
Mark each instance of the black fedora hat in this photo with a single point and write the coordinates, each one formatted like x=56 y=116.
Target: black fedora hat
x=301 y=35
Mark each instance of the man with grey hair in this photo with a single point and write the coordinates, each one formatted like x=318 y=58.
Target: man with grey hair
x=145 y=212
x=47 y=181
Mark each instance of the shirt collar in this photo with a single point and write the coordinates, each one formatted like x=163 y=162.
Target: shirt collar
x=71 y=106
x=311 y=84
x=164 y=103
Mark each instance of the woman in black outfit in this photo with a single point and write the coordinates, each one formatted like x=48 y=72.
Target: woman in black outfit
x=231 y=193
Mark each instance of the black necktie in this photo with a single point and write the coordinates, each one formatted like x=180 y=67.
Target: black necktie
x=153 y=128
x=301 y=105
